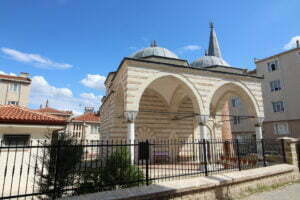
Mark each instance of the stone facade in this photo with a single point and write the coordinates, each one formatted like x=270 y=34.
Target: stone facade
x=167 y=97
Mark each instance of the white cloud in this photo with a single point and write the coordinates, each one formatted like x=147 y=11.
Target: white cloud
x=190 y=47
x=60 y=98
x=34 y=59
x=94 y=81
x=292 y=43
x=4 y=73
x=41 y=86
x=90 y=96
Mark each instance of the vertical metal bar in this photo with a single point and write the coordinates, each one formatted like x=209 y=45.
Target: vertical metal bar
x=35 y=167
x=13 y=169
x=5 y=169
x=147 y=162
x=238 y=154
x=28 y=168
x=43 y=161
x=263 y=152
x=283 y=151
x=205 y=157
x=55 y=195
x=21 y=168
x=101 y=162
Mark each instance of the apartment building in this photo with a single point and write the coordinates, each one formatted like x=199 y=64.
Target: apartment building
x=281 y=93
x=14 y=90
x=85 y=126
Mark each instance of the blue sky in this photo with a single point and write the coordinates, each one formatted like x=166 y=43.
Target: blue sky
x=69 y=46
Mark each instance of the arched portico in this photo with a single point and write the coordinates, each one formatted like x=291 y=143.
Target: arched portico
x=222 y=110
x=197 y=100
x=166 y=107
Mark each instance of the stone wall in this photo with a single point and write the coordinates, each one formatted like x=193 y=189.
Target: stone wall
x=219 y=187
x=202 y=87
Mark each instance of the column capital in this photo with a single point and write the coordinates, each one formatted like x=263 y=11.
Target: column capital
x=130 y=116
x=202 y=119
x=259 y=121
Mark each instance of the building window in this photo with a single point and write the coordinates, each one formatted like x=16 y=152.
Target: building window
x=278 y=106
x=275 y=85
x=236 y=120
x=77 y=130
x=235 y=102
x=14 y=87
x=13 y=103
x=94 y=129
x=273 y=66
x=16 y=140
x=281 y=128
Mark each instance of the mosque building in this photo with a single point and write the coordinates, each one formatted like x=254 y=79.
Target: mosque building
x=156 y=95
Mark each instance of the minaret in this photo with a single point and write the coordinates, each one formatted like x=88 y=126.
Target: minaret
x=213 y=49
x=47 y=103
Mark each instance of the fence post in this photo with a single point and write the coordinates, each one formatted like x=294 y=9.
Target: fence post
x=263 y=152
x=205 y=157
x=283 y=151
x=147 y=162
x=238 y=154
x=55 y=195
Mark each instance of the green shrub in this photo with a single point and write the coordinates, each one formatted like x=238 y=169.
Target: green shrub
x=118 y=172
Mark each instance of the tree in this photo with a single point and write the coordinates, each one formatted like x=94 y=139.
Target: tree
x=58 y=166
x=118 y=172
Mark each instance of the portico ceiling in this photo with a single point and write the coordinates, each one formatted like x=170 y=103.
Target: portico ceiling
x=165 y=87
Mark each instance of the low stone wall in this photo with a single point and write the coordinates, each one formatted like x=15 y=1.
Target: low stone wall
x=223 y=186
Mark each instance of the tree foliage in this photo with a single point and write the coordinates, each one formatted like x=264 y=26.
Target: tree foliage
x=58 y=165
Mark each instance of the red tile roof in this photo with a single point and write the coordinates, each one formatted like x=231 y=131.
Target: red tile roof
x=21 y=115
x=87 y=117
x=54 y=111
x=18 y=78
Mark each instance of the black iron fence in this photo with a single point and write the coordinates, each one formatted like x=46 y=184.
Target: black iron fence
x=45 y=170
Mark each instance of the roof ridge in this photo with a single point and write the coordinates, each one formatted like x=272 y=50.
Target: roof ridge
x=15 y=77
x=54 y=109
x=34 y=112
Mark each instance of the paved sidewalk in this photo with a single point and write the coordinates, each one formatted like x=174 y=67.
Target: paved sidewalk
x=288 y=192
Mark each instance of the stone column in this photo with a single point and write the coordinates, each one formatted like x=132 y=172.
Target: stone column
x=130 y=117
x=202 y=120
x=259 y=136
x=258 y=128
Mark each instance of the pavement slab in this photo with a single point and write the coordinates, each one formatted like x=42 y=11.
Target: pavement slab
x=288 y=192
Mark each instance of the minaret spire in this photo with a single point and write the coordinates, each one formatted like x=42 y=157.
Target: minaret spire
x=213 y=48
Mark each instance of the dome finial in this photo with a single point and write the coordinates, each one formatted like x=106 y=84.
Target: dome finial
x=153 y=44
x=211 y=25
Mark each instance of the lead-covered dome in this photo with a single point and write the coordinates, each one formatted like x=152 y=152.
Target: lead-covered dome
x=154 y=50
x=207 y=61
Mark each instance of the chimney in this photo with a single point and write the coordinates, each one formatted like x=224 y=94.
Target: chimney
x=24 y=74
x=297 y=44
x=88 y=109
